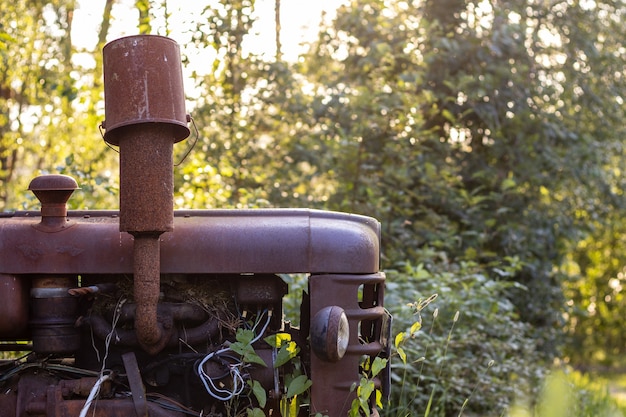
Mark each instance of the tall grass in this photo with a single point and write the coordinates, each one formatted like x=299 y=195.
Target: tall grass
x=561 y=393
x=434 y=407
x=470 y=355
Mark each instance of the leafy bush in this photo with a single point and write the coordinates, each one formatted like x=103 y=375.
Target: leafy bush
x=472 y=354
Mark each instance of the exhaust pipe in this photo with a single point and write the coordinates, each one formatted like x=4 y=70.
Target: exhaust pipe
x=144 y=116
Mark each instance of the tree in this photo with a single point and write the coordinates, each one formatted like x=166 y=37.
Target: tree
x=452 y=119
x=43 y=127
x=36 y=69
x=250 y=111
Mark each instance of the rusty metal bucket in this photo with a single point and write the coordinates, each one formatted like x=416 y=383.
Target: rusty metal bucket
x=143 y=83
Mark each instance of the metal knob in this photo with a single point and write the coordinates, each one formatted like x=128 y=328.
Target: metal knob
x=53 y=191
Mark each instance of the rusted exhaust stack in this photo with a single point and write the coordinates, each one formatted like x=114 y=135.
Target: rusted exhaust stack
x=145 y=115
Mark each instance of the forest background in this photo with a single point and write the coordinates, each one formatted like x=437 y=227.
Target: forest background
x=486 y=136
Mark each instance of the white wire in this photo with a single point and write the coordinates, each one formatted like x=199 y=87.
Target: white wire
x=215 y=392
x=107 y=342
x=92 y=395
x=257 y=320
x=237 y=378
x=262 y=332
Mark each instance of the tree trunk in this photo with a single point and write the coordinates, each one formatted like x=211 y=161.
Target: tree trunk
x=279 y=53
x=106 y=23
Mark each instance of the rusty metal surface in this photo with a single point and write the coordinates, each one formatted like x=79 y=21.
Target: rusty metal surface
x=31 y=395
x=330 y=391
x=109 y=408
x=146 y=179
x=8 y=403
x=40 y=395
x=53 y=191
x=101 y=327
x=53 y=314
x=215 y=241
x=143 y=83
x=152 y=334
x=81 y=387
x=136 y=385
x=14 y=307
x=265 y=290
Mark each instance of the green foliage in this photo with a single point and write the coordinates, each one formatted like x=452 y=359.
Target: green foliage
x=366 y=389
x=471 y=354
x=250 y=112
x=569 y=394
x=286 y=353
x=243 y=346
x=298 y=386
x=143 y=7
x=259 y=392
x=49 y=118
x=596 y=299
x=455 y=126
x=296 y=383
x=255 y=412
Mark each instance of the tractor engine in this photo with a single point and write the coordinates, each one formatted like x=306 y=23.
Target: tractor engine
x=151 y=311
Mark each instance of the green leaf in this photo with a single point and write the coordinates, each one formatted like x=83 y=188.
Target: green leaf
x=402 y=354
x=255 y=412
x=278 y=339
x=448 y=115
x=507 y=183
x=286 y=352
x=415 y=327
x=379 y=398
x=252 y=357
x=378 y=365
x=365 y=389
x=299 y=385
x=243 y=347
x=259 y=392
x=399 y=338
x=244 y=336
x=354 y=408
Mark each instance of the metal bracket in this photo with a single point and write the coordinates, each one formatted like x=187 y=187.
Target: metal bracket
x=136 y=386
